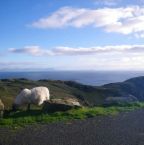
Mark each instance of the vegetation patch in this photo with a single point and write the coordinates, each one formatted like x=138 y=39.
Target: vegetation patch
x=23 y=118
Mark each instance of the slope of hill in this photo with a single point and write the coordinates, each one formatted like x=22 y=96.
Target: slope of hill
x=133 y=86
x=88 y=95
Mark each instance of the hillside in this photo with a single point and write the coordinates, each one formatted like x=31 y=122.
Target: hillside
x=133 y=86
x=87 y=95
x=9 y=88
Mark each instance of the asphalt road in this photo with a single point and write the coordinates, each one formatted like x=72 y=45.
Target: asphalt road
x=122 y=129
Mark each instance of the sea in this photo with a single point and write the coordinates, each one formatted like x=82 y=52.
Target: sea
x=94 y=78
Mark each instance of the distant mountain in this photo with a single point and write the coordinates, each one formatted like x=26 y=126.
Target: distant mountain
x=134 y=86
x=88 y=95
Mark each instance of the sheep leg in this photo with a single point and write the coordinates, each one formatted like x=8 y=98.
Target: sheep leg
x=1 y=114
x=28 y=107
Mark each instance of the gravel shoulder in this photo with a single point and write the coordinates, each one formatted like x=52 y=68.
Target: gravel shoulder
x=122 y=129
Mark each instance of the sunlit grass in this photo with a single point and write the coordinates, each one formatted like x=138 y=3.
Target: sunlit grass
x=22 y=118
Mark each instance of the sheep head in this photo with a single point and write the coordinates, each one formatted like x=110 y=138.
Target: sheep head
x=21 y=99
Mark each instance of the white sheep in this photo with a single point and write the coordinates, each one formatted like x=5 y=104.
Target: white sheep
x=34 y=96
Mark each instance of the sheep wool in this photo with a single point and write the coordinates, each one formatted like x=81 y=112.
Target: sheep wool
x=34 y=96
x=1 y=109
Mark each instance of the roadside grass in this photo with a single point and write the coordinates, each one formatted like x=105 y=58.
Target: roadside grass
x=23 y=118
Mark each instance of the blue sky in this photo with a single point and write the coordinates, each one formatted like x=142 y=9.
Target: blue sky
x=71 y=35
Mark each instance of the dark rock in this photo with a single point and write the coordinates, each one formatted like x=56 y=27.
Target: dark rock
x=55 y=105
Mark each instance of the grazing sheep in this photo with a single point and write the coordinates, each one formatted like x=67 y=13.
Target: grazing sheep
x=34 y=96
x=1 y=109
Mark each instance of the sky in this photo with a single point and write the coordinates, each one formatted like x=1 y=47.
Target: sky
x=37 y=35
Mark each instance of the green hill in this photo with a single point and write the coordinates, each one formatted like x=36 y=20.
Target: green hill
x=88 y=95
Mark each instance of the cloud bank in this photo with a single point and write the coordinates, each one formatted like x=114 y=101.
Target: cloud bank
x=32 y=50
x=124 y=20
x=61 y=50
x=114 y=57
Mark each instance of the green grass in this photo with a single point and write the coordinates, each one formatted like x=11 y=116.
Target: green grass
x=23 y=118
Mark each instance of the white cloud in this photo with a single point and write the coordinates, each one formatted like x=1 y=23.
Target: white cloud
x=104 y=62
x=32 y=50
x=117 y=57
x=61 y=50
x=107 y=62
x=124 y=20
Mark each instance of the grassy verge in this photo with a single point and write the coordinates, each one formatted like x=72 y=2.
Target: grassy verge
x=23 y=118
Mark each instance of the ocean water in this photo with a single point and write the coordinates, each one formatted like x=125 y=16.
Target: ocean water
x=95 y=78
